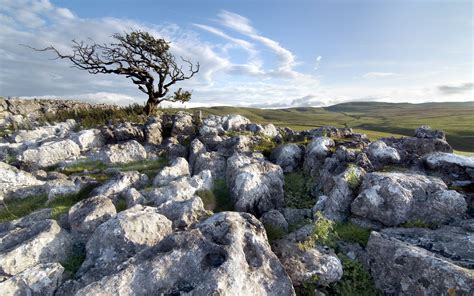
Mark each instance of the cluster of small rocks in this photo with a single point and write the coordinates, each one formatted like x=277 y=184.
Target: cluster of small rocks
x=167 y=243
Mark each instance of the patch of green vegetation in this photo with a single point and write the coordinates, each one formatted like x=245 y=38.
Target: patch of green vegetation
x=208 y=199
x=83 y=166
x=309 y=287
x=274 y=233
x=355 y=280
x=418 y=224
x=238 y=133
x=62 y=204
x=148 y=167
x=298 y=191
x=265 y=146
x=95 y=117
x=121 y=205
x=17 y=208
x=99 y=177
x=74 y=262
x=296 y=226
x=323 y=233
x=222 y=196
x=351 y=177
x=352 y=233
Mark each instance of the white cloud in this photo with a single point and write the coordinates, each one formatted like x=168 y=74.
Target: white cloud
x=377 y=74
x=236 y=22
x=318 y=61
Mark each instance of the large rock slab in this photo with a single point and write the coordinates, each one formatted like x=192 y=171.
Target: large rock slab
x=120 y=238
x=58 y=130
x=123 y=153
x=51 y=153
x=228 y=254
x=178 y=168
x=13 y=179
x=88 y=139
x=40 y=280
x=452 y=167
x=305 y=265
x=395 y=198
x=288 y=156
x=114 y=187
x=212 y=161
x=379 y=153
x=42 y=242
x=86 y=215
x=402 y=268
x=255 y=185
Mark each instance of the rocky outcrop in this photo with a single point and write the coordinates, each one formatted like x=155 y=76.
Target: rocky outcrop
x=316 y=153
x=404 y=261
x=178 y=168
x=379 y=153
x=288 y=156
x=51 y=153
x=212 y=161
x=116 y=186
x=395 y=198
x=456 y=169
x=228 y=254
x=42 y=242
x=120 y=238
x=13 y=180
x=86 y=215
x=123 y=153
x=40 y=280
x=88 y=139
x=58 y=130
x=256 y=185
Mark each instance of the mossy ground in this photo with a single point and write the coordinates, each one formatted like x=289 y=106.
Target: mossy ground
x=298 y=191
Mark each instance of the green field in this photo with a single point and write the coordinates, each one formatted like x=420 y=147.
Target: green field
x=373 y=118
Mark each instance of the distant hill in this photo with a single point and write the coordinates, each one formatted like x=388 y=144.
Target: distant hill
x=374 y=118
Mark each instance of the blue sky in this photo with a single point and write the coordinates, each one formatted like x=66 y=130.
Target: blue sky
x=255 y=53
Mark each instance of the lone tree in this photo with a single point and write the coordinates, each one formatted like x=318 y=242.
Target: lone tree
x=139 y=56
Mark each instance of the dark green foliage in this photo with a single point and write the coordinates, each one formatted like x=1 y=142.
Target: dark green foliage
x=222 y=196
x=418 y=224
x=74 y=262
x=265 y=146
x=298 y=191
x=121 y=205
x=323 y=234
x=352 y=233
x=274 y=233
x=208 y=199
x=355 y=280
x=17 y=208
x=94 y=117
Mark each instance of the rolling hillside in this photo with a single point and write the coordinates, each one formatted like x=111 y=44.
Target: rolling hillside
x=375 y=119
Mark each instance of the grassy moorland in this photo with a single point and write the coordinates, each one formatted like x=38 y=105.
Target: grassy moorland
x=373 y=118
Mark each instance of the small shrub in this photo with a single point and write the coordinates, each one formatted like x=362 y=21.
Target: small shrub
x=323 y=233
x=298 y=191
x=352 y=233
x=121 y=205
x=274 y=233
x=208 y=199
x=355 y=280
x=222 y=196
x=351 y=177
x=265 y=146
x=74 y=262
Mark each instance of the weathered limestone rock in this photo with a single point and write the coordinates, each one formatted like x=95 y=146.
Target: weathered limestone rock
x=40 y=280
x=275 y=220
x=256 y=185
x=86 y=215
x=395 y=198
x=123 y=153
x=153 y=131
x=402 y=268
x=288 y=156
x=58 y=130
x=228 y=254
x=306 y=265
x=316 y=152
x=51 y=153
x=13 y=179
x=90 y=138
x=42 y=242
x=379 y=152
x=185 y=213
x=178 y=168
x=120 y=238
x=114 y=187
x=212 y=161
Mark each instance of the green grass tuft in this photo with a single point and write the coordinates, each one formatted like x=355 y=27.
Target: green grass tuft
x=323 y=233
x=352 y=233
x=274 y=233
x=121 y=205
x=62 y=204
x=418 y=224
x=208 y=199
x=74 y=262
x=298 y=191
x=222 y=196
x=265 y=146
x=17 y=208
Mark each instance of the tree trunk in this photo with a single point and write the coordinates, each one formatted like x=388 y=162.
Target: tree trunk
x=150 y=106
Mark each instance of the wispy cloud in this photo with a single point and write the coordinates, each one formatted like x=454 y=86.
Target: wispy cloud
x=456 y=89
x=377 y=74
